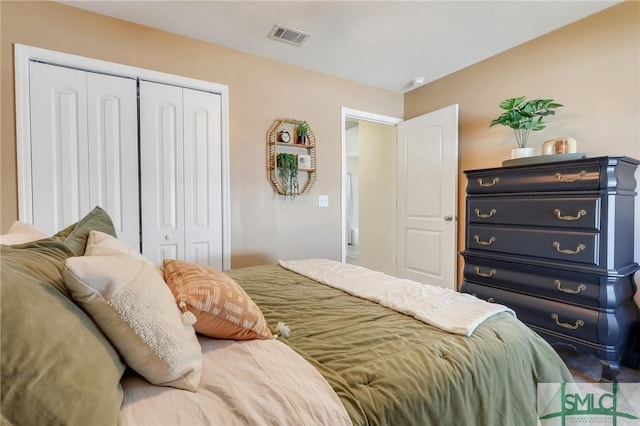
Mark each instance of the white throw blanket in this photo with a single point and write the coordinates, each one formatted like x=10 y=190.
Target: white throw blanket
x=445 y=309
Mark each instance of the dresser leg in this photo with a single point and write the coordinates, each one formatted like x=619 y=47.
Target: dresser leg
x=610 y=370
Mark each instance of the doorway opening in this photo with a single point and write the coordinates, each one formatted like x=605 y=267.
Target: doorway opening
x=352 y=238
x=352 y=190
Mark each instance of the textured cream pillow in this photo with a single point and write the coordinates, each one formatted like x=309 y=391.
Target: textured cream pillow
x=222 y=308
x=133 y=307
x=20 y=233
x=101 y=243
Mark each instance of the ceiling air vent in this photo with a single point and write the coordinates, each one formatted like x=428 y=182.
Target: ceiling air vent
x=288 y=35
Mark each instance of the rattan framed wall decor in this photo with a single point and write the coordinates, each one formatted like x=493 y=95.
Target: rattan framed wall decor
x=290 y=140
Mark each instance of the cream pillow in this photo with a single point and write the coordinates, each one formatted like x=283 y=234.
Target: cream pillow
x=100 y=243
x=222 y=308
x=20 y=233
x=133 y=307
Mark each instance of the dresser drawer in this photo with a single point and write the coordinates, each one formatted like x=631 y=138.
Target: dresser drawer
x=575 y=247
x=563 y=285
x=556 y=284
x=562 y=212
x=558 y=317
x=556 y=177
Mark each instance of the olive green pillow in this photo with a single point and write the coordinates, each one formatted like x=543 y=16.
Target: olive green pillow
x=57 y=367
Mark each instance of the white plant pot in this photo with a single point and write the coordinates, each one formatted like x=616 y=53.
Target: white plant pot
x=521 y=152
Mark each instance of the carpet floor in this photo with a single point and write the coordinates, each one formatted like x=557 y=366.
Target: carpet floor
x=587 y=368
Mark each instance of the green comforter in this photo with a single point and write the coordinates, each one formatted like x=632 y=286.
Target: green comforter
x=390 y=369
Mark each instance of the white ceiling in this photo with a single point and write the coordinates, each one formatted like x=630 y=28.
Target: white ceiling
x=381 y=43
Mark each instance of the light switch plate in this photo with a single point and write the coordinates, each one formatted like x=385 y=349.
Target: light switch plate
x=323 y=201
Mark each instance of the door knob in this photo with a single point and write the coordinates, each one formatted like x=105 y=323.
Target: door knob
x=448 y=218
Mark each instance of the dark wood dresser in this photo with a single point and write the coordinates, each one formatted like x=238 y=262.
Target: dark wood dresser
x=554 y=242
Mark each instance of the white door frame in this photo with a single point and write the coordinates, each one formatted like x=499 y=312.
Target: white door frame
x=23 y=54
x=358 y=115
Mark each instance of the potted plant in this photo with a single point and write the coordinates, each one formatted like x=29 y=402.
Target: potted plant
x=288 y=172
x=524 y=117
x=301 y=131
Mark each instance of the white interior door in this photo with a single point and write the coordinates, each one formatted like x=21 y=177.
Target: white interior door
x=427 y=197
x=83 y=149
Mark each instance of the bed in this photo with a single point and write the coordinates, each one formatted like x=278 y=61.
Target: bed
x=344 y=360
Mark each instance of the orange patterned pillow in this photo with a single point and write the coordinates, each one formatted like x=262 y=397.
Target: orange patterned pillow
x=222 y=308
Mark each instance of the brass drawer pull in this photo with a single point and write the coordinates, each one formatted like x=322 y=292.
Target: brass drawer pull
x=578 y=289
x=578 y=215
x=578 y=249
x=578 y=178
x=485 y=215
x=490 y=299
x=484 y=243
x=493 y=182
x=485 y=274
x=575 y=326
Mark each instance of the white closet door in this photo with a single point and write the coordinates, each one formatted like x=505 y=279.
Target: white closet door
x=161 y=169
x=203 y=177
x=113 y=153
x=59 y=153
x=181 y=174
x=83 y=148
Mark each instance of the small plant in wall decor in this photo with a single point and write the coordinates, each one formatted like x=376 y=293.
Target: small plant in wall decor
x=288 y=171
x=525 y=116
x=301 y=129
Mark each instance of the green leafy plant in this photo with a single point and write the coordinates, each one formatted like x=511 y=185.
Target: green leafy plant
x=288 y=172
x=301 y=131
x=525 y=116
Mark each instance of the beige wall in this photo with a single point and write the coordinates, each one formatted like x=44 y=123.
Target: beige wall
x=264 y=227
x=591 y=66
x=377 y=196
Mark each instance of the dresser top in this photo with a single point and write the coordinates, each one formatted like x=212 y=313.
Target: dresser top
x=589 y=160
x=584 y=174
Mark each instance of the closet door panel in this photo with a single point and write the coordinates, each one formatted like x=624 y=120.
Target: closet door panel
x=59 y=151
x=80 y=123
x=161 y=167
x=203 y=177
x=113 y=152
x=151 y=158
